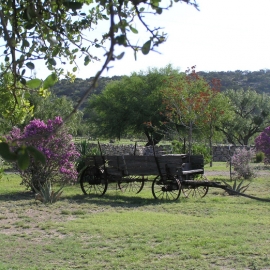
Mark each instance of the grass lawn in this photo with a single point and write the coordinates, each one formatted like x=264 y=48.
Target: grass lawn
x=127 y=231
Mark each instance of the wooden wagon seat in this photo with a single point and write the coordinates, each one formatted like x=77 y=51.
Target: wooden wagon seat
x=193 y=165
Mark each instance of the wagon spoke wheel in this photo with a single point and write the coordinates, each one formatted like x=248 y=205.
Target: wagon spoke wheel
x=131 y=184
x=191 y=191
x=92 y=181
x=166 y=189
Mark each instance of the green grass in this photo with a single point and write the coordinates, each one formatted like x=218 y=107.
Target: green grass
x=127 y=231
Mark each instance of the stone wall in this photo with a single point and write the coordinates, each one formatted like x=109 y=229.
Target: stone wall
x=120 y=150
x=223 y=152
x=220 y=153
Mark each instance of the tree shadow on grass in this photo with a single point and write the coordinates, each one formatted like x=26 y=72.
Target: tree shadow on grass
x=126 y=201
x=18 y=196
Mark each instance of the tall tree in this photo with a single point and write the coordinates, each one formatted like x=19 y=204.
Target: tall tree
x=219 y=111
x=250 y=115
x=188 y=102
x=130 y=105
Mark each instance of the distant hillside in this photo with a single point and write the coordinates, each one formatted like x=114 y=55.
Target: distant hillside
x=75 y=90
x=257 y=80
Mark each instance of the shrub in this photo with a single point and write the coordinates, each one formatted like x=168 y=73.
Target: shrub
x=47 y=195
x=262 y=143
x=58 y=148
x=85 y=151
x=197 y=149
x=259 y=157
x=238 y=187
x=240 y=162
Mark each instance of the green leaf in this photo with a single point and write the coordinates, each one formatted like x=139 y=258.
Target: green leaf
x=38 y=156
x=73 y=5
x=52 y=61
x=23 y=159
x=50 y=81
x=25 y=43
x=159 y=10
x=34 y=83
x=23 y=81
x=146 y=47
x=29 y=25
x=121 y=40
x=6 y=153
x=133 y=30
x=30 y=65
x=87 y=60
x=120 y=56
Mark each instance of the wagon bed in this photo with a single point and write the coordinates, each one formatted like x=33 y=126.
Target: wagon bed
x=171 y=174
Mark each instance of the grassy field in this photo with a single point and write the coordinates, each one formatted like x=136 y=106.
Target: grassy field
x=127 y=231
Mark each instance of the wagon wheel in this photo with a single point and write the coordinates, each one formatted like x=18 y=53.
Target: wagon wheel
x=92 y=181
x=193 y=191
x=169 y=189
x=131 y=184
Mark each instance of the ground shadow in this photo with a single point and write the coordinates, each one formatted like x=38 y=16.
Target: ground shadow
x=127 y=201
x=18 y=196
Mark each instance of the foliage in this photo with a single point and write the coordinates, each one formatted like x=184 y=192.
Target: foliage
x=54 y=32
x=240 y=161
x=250 y=115
x=259 y=157
x=258 y=80
x=85 y=151
x=21 y=155
x=218 y=112
x=237 y=187
x=10 y=113
x=52 y=106
x=262 y=143
x=55 y=143
x=45 y=194
x=188 y=102
x=1 y=168
x=197 y=149
x=131 y=105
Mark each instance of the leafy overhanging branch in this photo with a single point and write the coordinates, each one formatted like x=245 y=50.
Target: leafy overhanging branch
x=47 y=30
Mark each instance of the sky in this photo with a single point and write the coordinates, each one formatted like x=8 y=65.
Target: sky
x=225 y=35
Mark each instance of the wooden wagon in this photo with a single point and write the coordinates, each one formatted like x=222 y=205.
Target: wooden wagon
x=170 y=174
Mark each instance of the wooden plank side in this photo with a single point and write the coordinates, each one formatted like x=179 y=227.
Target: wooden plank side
x=197 y=162
x=140 y=165
x=170 y=164
x=94 y=161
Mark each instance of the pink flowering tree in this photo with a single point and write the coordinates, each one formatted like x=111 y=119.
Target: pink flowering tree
x=262 y=143
x=241 y=163
x=57 y=147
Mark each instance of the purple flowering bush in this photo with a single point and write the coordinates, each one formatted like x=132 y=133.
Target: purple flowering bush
x=58 y=148
x=241 y=163
x=262 y=143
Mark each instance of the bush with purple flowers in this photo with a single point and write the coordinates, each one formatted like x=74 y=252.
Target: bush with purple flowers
x=58 y=148
x=241 y=163
x=262 y=143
